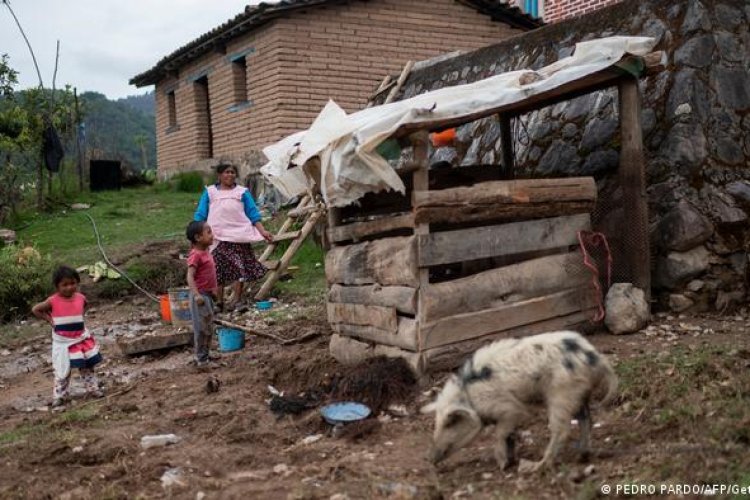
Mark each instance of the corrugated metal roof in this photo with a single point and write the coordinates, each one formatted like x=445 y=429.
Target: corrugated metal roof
x=255 y=16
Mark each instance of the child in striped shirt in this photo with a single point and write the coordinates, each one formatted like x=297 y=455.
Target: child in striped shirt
x=72 y=344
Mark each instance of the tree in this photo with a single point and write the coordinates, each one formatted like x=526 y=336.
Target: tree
x=8 y=77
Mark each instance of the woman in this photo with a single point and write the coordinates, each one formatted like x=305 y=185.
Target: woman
x=235 y=220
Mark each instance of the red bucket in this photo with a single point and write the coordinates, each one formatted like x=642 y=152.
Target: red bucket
x=166 y=312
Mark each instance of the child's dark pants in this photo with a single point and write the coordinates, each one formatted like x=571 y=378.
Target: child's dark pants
x=203 y=325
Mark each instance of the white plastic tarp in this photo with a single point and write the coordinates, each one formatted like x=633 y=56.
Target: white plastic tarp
x=345 y=144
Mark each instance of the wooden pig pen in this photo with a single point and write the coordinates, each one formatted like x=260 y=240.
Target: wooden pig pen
x=470 y=254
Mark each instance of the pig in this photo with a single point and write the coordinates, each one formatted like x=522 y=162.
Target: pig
x=504 y=382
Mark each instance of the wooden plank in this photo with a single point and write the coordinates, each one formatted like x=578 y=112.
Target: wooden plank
x=453 y=355
x=467 y=326
x=632 y=178
x=284 y=227
x=359 y=230
x=349 y=351
x=403 y=298
x=497 y=287
x=387 y=261
x=510 y=192
x=147 y=343
x=383 y=318
x=502 y=240
x=421 y=182
x=289 y=235
x=270 y=264
x=607 y=77
x=400 y=82
x=405 y=336
x=500 y=213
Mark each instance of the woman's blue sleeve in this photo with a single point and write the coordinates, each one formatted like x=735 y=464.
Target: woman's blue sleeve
x=251 y=209
x=201 y=213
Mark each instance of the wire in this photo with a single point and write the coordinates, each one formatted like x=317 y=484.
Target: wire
x=109 y=263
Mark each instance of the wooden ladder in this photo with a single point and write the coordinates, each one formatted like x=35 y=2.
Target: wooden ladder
x=307 y=211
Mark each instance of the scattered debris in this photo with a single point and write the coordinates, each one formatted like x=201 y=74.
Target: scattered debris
x=377 y=382
x=158 y=440
x=312 y=439
x=7 y=236
x=100 y=270
x=172 y=477
x=282 y=470
x=399 y=490
x=627 y=309
x=80 y=206
x=526 y=466
x=213 y=384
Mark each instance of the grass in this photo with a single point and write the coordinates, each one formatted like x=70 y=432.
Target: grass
x=140 y=215
x=126 y=217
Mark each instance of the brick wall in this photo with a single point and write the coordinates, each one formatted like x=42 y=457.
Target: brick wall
x=296 y=64
x=557 y=10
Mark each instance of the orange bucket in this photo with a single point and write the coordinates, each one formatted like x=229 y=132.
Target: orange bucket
x=166 y=312
x=444 y=137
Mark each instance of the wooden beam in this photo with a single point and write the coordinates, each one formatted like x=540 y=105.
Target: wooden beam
x=504 y=200
x=505 y=285
x=358 y=230
x=284 y=227
x=402 y=298
x=608 y=77
x=400 y=82
x=285 y=236
x=502 y=240
x=467 y=326
x=405 y=336
x=349 y=351
x=382 y=318
x=387 y=261
x=421 y=182
x=506 y=141
x=632 y=178
x=450 y=356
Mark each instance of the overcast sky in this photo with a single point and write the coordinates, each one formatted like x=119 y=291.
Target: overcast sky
x=103 y=43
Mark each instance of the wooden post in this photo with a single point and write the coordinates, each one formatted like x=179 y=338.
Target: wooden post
x=420 y=142
x=79 y=155
x=506 y=141
x=632 y=178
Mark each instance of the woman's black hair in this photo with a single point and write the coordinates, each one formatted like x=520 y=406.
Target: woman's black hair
x=194 y=229
x=65 y=272
x=223 y=166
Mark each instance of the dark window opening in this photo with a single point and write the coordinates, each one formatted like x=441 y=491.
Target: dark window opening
x=205 y=138
x=239 y=80
x=172 y=108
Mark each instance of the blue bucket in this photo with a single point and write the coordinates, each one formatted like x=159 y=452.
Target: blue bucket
x=230 y=339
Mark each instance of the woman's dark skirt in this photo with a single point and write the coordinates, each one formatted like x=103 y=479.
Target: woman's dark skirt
x=236 y=262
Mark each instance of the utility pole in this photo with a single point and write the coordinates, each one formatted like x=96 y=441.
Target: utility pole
x=79 y=139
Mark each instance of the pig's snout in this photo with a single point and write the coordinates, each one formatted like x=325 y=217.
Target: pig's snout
x=436 y=455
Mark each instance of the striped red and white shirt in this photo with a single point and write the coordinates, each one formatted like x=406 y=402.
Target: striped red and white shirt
x=67 y=314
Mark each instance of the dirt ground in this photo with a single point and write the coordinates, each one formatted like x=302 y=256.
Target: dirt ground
x=682 y=416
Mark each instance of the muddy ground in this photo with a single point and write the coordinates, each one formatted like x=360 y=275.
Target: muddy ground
x=682 y=417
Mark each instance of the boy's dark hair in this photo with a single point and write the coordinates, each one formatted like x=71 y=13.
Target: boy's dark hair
x=65 y=272
x=194 y=229
x=224 y=166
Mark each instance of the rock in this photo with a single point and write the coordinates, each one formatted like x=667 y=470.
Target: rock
x=685 y=146
x=80 y=206
x=626 y=309
x=683 y=228
x=722 y=207
x=589 y=470
x=282 y=469
x=739 y=262
x=732 y=87
x=339 y=496
x=679 y=267
x=695 y=285
x=598 y=132
x=600 y=161
x=8 y=236
x=213 y=384
x=696 y=51
x=399 y=490
x=578 y=107
x=689 y=88
x=727 y=16
x=200 y=496
x=727 y=150
x=728 y=301
x=679 y=303
x=696 y=18
x=445 y=154
x=158 y=440
x=172 y=478
x=560 y=158
x=526 y=466
x=683 y=109
x=312 y=439
x=729 y=47
x=648 y=120
x=569 y=130
x=740 y=190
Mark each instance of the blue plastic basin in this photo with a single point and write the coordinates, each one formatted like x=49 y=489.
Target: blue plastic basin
x=230 y=339
x=264 y=305
x=344 y=412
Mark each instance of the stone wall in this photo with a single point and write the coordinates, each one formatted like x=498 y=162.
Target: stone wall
x=696 y=124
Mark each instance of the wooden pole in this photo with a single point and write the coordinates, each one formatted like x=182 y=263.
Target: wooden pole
x=506 y=141
x=632 y=178
x=420 y=178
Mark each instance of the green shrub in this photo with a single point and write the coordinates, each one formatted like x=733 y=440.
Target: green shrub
x=25 y=278
x=189 y=182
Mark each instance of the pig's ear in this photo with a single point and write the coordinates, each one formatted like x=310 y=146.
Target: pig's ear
x=428 y=408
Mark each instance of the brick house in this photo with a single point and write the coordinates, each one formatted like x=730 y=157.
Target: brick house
x=553 y=11
x=268 y=72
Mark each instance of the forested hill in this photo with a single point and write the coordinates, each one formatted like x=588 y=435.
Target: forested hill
x=122 y=129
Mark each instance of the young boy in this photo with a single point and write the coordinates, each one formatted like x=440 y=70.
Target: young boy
x=201 y=278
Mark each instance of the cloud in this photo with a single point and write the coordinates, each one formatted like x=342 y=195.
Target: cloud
x=104 y=44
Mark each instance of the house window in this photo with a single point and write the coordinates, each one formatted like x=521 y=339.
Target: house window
x=172 y=109
x=534 y=8
x=239 y=80
x=205 y=138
